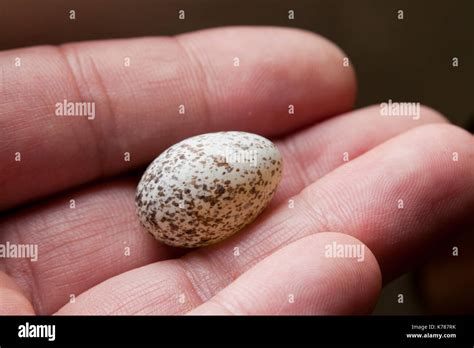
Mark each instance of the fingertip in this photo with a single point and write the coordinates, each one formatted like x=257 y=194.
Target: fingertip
x=432 y=113
x=356 y=267
x=349 y=268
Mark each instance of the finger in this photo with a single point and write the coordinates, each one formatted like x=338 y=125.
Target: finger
x=303 y=278
x=361 y=198
x=300 y=270
x=137 y=106
x=61 y=249
x=399 y=199
x=12 y=300
x=316 y=151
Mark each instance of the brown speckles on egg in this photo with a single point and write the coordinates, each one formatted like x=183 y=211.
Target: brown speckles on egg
x=205 y=188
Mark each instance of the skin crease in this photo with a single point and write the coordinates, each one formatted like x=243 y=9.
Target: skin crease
x=390 y=157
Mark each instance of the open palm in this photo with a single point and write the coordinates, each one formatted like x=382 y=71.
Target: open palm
x=350 y=177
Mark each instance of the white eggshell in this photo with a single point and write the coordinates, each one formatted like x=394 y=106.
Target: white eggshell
x=207 y=187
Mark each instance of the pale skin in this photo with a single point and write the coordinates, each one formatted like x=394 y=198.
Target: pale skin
x=280 y=267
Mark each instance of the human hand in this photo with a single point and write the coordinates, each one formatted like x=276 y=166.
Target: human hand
x=275 y=266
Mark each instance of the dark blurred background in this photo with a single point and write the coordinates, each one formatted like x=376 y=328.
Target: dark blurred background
x=402 y=60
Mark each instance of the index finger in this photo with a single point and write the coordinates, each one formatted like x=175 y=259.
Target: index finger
x=149 y=93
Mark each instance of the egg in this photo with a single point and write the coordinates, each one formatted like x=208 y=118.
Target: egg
x=207 y=187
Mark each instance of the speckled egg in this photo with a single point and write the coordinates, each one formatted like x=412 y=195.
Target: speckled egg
x=207 y=187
